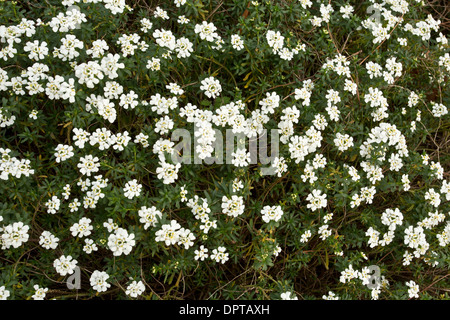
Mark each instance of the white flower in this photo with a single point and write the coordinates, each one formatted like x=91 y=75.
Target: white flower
x=237 y=185
x=165 y=38
x=14 y=235
x=324 y=232
x=206 y=31
x=110 y=65
x=164 y=125
x=135 y=289
x=80 y=137
x=168 y=233
x=47 y=240
x=88 y=165
x=167 y=172
x=343 y=141
x=220 y=255
x=121 y=141
x=346 y=11
x=211 y=87
x=142 y=139
x=233 y=207
x=367 y=194
x=406 y=182
x=331 y=296
x=39 y=293
x=445 y=189
x=183 y=193
x=175 y=89
x=373 y=69
x=154 y=64
x=65 y=265
x=185 y=238
x=98 y=48
x=182 y=19
x=4 y=294
x=439 y=109
x=272 y=101
x=433 y=197
x=392 y=218
x=37 y=51
x=271 y=213
x=317 y=200
x=115 y=6
x=110 y=225
x=184 y=47
x=201 y=253
x=149 y=216
x=112 y=90
x=241 y=158
x=53 y=204
x=120 y=242
x=160 y=13
x=305 y=236
x=348 y=274
x=89 y=246
x=395 y=162
x=414 y=237
x=277 y=251
x=146 y=24
x=98 y=281
x=179 y=3
x=82 y=228
x=403 y=42
x=413 y=291
x=275 y=40
x=237 y=42
x=374 y=237
x=350 y=86
x=288 y=296
x=68 y=49
x=74 y=205
x=132 y=189
x=332 y=97
x=279 y=163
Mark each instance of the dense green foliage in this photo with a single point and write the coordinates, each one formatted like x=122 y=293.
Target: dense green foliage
x=364 y=92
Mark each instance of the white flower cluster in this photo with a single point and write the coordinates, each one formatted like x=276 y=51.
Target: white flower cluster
x=98 y=281
x=423 y=28
x=93 y=191
x=211 y=87
x=233 y=206
x=65 y=265
x=132 y=189
x=135 y=289
x=149 y=216
x=121 y=242
x=82 y=228
x=12 y=166
x=201 y=211
x=98 y=85
x=271 y=213
x=14 y=235
x=276 y=41
x=317 y=200
x=365 y=275
x=390 y=218
x=173 y=234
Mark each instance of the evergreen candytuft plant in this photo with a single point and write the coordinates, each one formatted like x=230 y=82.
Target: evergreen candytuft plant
x=203 y=149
